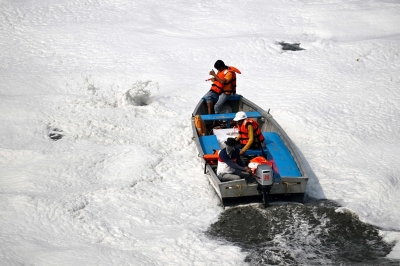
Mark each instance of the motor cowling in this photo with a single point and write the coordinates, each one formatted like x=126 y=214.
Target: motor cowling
x=264 y=175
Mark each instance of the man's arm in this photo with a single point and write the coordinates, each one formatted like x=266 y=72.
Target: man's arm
x=226 y=79
x=241 y=163
x=224 y=157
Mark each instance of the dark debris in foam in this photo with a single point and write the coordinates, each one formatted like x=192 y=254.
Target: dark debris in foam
x=56 y=134
x=310 y=234
x=290 y=46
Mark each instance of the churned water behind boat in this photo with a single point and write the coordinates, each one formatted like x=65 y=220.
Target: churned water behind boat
x=319 y=233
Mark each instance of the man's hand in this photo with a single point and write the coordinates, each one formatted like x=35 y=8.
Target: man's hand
x=212 y=73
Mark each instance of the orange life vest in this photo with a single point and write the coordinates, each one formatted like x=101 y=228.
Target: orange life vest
x=260 y=160
x=256 y=161
x=200 y=126
x=211 y=158
x=244 y=134
x=229 y=87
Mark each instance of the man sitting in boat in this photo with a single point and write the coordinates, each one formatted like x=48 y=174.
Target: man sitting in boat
x=230 y=166
x=250 y=135
x=224 y=85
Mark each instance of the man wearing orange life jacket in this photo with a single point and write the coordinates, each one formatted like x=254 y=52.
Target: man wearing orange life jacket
x=250 y=135
x=224 y=85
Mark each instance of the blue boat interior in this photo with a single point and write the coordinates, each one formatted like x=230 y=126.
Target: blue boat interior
x=228 y=116
x=276 y=151
x=209 y=144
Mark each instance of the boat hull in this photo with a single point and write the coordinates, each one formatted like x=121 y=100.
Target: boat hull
x=290 y=175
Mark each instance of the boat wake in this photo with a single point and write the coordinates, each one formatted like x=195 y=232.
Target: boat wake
x=295 y=234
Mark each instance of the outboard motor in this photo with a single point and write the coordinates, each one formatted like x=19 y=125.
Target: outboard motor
x=265 y=179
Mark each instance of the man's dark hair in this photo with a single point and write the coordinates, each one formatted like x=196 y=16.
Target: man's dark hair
x=219 y=64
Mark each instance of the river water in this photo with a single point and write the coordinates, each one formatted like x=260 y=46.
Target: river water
x=316 y=233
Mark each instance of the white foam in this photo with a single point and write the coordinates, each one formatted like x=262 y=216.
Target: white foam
x=120 y=79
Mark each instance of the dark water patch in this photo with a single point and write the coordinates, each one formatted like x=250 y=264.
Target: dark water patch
x=55 y=134
x=278 y=198
x=290 y=46
x=319 y=233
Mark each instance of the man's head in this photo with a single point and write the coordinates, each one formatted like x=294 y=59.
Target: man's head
x=230 y=145
x=240 y=117
x=219 y=65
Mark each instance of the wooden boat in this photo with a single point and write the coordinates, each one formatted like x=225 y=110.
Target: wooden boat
x=289 y=176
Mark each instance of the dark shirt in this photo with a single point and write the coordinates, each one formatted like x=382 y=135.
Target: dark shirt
x=239 y=165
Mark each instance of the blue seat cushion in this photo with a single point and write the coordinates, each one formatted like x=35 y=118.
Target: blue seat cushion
x=228 y=116
x=209 y=144
x=286 y=166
